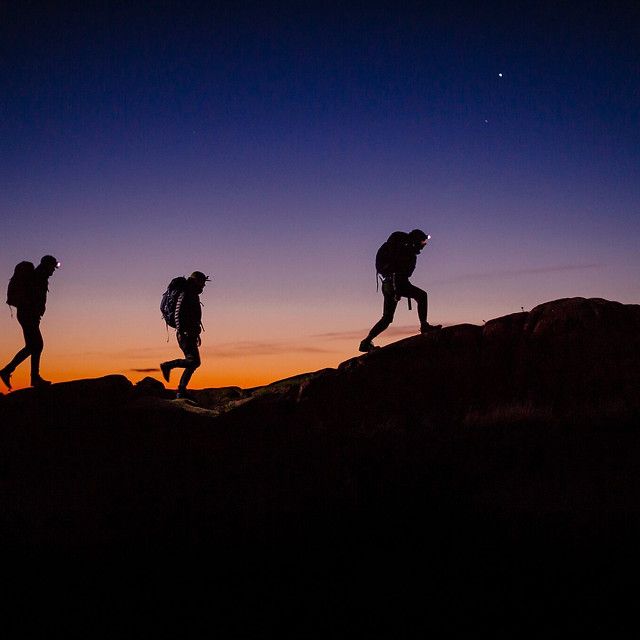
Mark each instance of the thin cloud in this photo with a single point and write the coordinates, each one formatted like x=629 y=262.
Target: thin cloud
x=150 y=370
x=136 y=353
x=339 y=335
x=491 y=275
x=392 y=332
x=240 y=349
x=250 y=348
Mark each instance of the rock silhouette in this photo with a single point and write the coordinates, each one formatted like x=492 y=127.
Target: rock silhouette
x=488 y=452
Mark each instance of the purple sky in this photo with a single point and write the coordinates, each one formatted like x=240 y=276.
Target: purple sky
x=276 y=145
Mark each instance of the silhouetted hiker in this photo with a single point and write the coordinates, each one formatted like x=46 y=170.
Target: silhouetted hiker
x=27 y=292
x=395 y=263
x=181 y=309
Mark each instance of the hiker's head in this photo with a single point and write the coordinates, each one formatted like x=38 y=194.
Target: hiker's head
x=418 y=239
x=198 y=280
x=49 y=264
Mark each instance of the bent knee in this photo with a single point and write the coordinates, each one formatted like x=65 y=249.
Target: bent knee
x=193 y=361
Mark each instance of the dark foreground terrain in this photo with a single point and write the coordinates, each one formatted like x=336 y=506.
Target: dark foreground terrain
x=479 y=478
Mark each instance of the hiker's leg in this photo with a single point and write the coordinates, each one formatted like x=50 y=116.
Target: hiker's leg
x=26 y=322
x=180 y=363
x=388 y=311
x=20 y=357
x=420 y=296
x=35 y=344
x=189 y=347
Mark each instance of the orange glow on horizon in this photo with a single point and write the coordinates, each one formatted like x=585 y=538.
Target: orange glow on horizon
x=212 y=373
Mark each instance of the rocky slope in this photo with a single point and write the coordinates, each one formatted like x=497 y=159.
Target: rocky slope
x=484 y=451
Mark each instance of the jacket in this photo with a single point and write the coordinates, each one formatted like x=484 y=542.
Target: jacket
x=36 y=298
x=188 y=313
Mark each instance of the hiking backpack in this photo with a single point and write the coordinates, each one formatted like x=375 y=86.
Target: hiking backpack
x=20 y=286
x=170 y=299
x=390 y=254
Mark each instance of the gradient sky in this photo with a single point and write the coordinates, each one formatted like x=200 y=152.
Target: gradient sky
x=277 y=145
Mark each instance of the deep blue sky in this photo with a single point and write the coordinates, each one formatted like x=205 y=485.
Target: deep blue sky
x=278 y=144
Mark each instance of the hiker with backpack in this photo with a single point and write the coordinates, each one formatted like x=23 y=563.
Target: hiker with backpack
x=395 y=263
x=181 y=309
x=27 y=292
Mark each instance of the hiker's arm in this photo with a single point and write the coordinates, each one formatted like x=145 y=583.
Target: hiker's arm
x=177 y=312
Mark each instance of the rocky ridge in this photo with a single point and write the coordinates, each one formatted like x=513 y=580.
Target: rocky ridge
x=498 y=462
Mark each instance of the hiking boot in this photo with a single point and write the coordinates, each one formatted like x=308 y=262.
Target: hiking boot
x=426 y=328
x=166 y=370
x=5 y=376
x=183 y=394
x=366 y=346
x=38 y=383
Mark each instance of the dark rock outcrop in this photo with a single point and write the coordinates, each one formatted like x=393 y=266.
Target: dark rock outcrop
x=503 y=446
